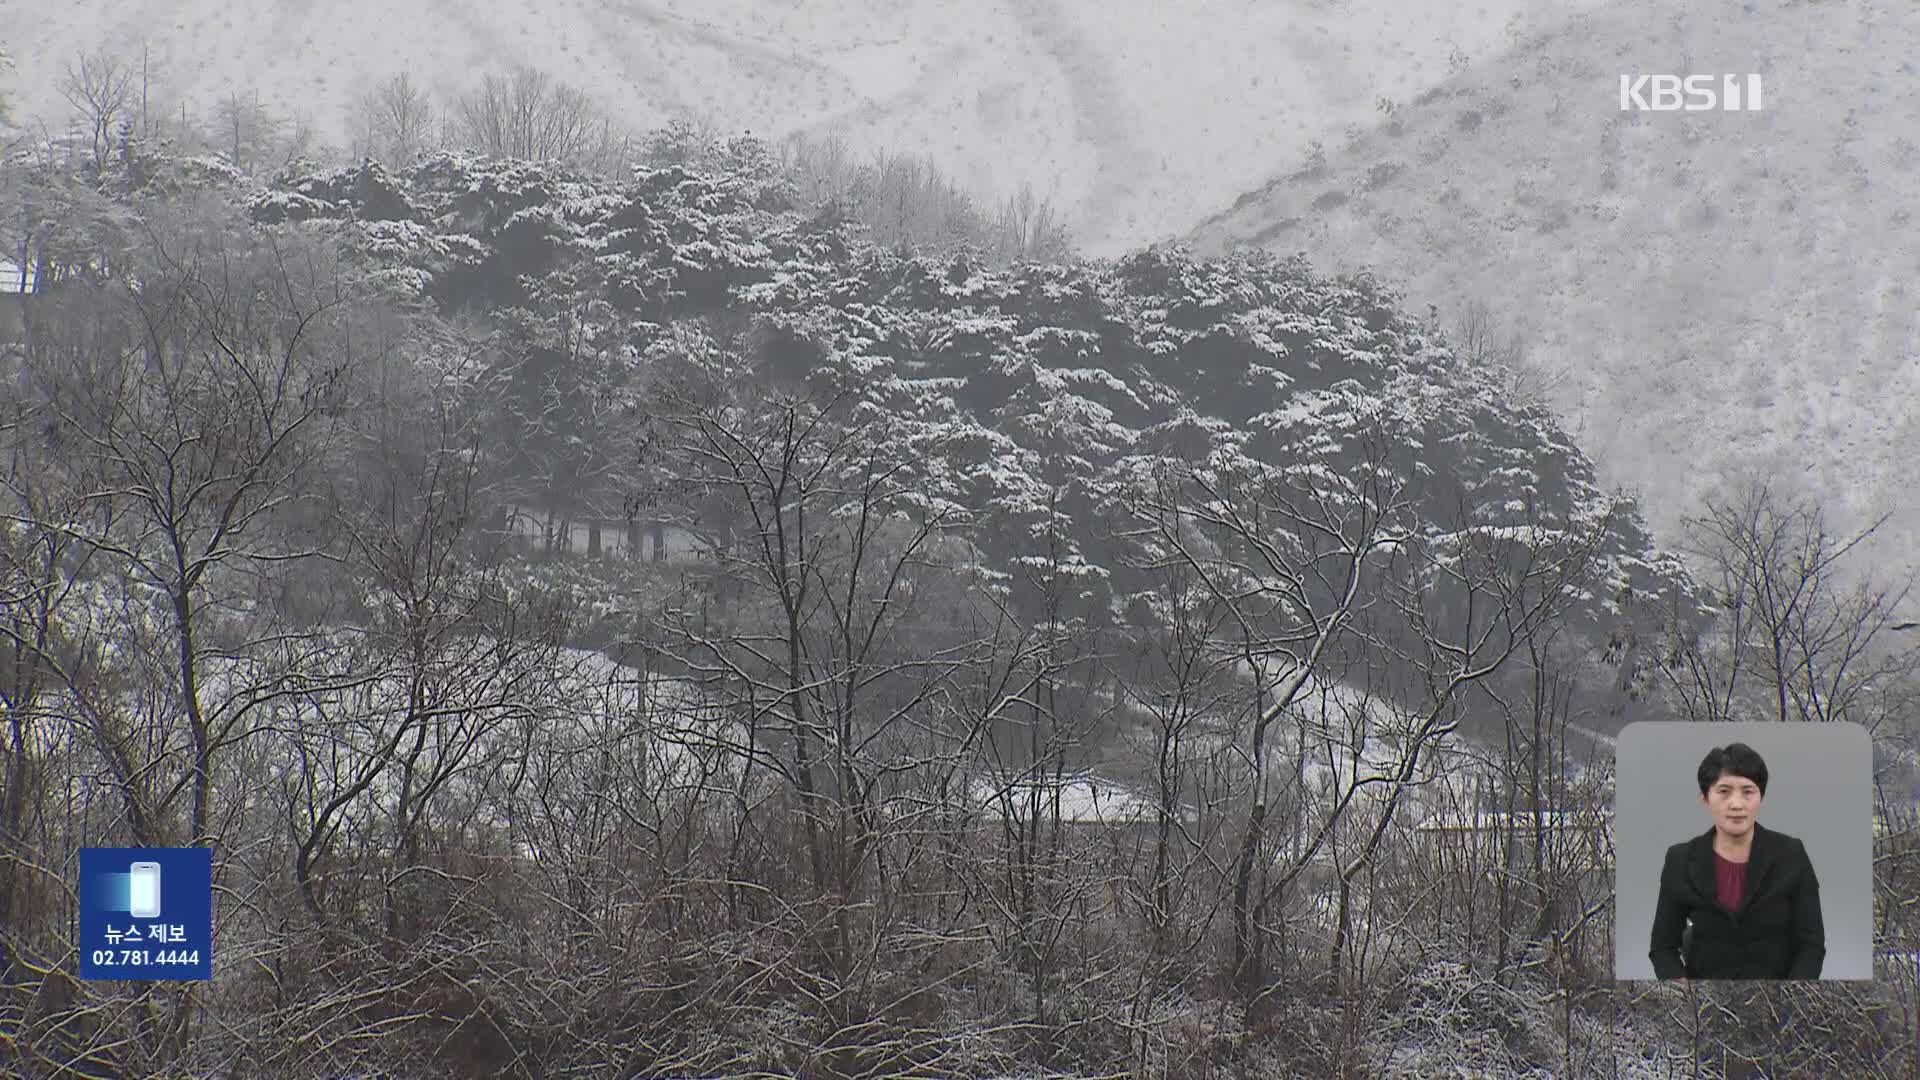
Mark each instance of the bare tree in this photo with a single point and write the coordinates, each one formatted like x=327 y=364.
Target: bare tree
x=251 y=136
x=188 y=405
x=1181 y=683
x=1028 y=229
x=1328 y=583
x=101 y=88
x=394 y=121
x=527 y=114
x=854 y=682
x=41 y=589
x=906 y=201
x=1794 y=638
x=1477 y=336
x=823 y=167
x=431 y=669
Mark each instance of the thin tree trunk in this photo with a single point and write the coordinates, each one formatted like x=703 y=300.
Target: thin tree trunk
x=1341 y=931
x=1246 y=973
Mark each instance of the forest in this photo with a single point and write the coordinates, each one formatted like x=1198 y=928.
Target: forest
x=630 y=611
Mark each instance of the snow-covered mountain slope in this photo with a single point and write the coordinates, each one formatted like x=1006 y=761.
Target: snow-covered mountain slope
x=1720 y=295
x=1137 y=116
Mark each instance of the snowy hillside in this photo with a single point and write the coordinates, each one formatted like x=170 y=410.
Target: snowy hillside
x=1715 y=296
x=1138 y=117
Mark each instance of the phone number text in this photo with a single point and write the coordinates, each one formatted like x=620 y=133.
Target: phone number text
x=143 y=957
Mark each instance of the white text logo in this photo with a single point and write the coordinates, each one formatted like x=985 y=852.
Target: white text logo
x=1691 y=93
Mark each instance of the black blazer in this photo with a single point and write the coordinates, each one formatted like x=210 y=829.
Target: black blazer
x=1776 y=934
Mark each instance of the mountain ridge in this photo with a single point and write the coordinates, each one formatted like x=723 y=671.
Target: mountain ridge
x=1665 y=267
x=1151 y=137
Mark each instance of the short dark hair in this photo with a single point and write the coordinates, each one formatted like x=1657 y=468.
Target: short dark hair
x=1737 y=759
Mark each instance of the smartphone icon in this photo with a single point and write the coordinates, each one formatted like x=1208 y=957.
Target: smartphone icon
x=143 y=890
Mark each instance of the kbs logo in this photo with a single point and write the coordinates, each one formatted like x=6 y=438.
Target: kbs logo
x=1691 y=93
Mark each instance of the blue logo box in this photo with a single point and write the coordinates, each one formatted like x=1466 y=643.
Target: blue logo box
x=146 y=913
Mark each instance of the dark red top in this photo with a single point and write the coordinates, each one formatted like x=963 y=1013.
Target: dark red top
x=1730 y=882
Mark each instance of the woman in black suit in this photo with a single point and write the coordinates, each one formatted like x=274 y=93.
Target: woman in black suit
x=1739 y=901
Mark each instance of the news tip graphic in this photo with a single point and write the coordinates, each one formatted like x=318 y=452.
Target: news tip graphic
x=146 y=913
